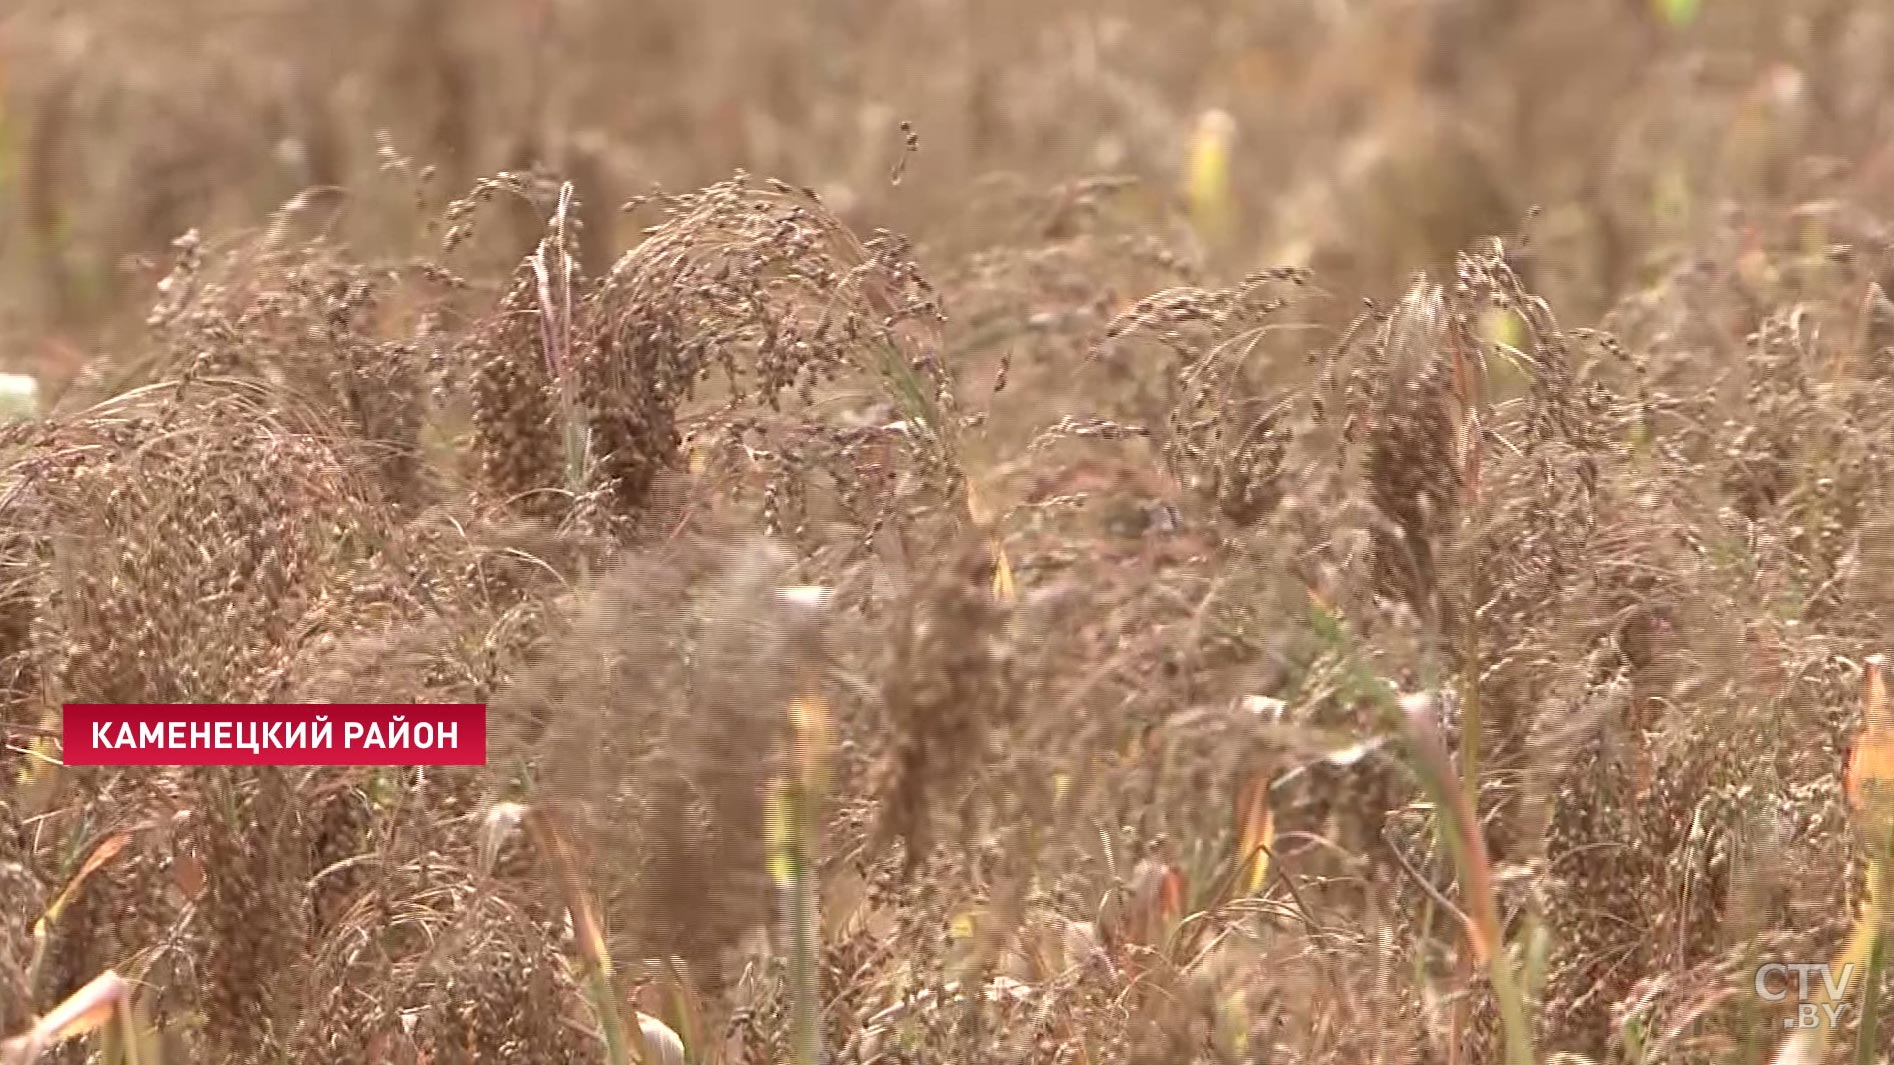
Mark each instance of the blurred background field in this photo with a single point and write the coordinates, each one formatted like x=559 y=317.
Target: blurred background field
x=1299 y=530
x=1371 y=138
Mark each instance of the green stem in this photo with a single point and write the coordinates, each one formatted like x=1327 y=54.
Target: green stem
x=577 y=436
x=1514 y=1025
x=1866 y=1036
x=611 y=1022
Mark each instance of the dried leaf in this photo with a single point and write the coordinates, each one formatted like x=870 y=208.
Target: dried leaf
x=1256 y=833
x=104 y=852
x=101 y=854
x=86 y=1010
x=1871 y=766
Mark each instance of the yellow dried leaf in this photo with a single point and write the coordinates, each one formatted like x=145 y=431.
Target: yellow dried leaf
x=104 y=852
x=1256 y=833
x=809 y=716
x=88 y=1010
x=42 y=928
x=1207 y=175
x=1871 y=766
x=586 y=927
x=1003 y=587
x=777 y=826
x=85 y=1010
x=40 y=770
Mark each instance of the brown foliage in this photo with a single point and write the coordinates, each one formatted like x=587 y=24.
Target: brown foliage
x=1606 y=479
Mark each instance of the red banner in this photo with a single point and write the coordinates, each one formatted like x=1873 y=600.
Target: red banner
x=275 y=734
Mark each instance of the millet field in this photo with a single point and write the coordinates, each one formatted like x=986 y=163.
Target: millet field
x=1125 y=532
